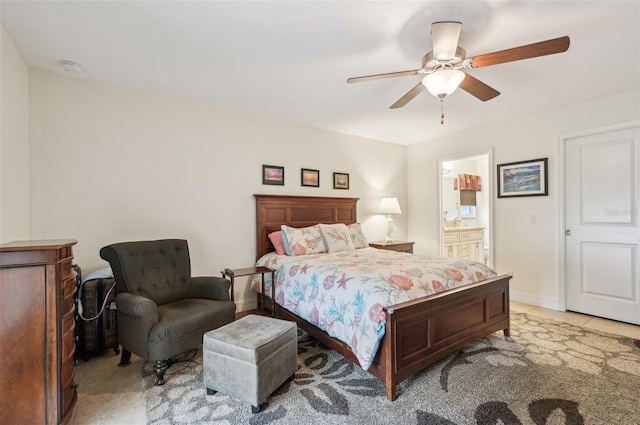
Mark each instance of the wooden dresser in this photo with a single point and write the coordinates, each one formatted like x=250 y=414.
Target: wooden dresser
x=37 y=289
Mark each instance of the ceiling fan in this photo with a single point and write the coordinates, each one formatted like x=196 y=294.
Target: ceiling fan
x=442 y=66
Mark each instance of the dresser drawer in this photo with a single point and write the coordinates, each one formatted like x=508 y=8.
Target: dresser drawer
x=67 y=370
x=68 y=333
x=68 y=304
x=476 y=235
x=68 y=395
x=450 y=237
x=398 y=246
x=405 y=247
x=463 y=250
x=464 y=236
x=66 y=269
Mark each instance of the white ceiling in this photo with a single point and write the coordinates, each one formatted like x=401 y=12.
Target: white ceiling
x=290 y=60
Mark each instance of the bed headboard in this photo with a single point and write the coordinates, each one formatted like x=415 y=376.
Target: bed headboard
x=272 y=211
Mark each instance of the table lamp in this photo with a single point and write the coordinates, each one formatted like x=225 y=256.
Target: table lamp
x=389 y=206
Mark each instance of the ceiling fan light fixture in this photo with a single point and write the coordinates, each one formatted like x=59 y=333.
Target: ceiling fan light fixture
x=442 y=83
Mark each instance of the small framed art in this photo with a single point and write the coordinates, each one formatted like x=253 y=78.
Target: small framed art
x=340 y=181
x=273 y=174
x=523 y=178
x=309 y=177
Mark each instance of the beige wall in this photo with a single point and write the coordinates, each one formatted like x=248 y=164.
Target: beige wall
x=14 y=143
x=529 y=251
x=113 y=164
x=102 y=164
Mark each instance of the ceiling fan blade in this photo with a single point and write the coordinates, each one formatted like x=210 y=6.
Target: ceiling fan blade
x=477 y=88
x=542 y=48
x=408 y=97
x=381 y=76
x=444 y=37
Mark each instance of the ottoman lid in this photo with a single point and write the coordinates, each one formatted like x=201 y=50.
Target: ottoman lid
x=251 y=338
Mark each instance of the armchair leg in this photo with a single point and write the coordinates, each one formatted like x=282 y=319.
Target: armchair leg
x=160 y=368
x=125 y=359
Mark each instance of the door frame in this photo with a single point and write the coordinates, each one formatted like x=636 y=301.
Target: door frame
x=561 y=290
x=489 y=185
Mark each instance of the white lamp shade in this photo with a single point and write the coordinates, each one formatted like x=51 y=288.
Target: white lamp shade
x=443 y=83
x=389 y=206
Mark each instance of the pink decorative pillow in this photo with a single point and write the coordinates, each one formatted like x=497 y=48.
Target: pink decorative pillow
x=276 y=240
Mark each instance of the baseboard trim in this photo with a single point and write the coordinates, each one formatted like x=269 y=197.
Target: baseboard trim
x=246 y=304
x=536 y=300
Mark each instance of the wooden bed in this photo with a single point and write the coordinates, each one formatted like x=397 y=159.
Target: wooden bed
x=418 y=332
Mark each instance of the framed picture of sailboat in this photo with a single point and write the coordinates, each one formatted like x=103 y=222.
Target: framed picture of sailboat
x=523 y=178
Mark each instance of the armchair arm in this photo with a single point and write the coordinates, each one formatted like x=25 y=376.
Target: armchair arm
x=211 y=287
x=141 y=310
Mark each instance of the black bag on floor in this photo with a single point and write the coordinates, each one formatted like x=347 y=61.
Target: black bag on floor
x=96 y=322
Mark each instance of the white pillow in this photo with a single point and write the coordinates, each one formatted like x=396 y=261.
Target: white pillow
x=357 y=237
x=303 y=241
x=336 y=237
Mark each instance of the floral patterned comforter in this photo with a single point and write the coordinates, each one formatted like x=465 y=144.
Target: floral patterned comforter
x=344 y=293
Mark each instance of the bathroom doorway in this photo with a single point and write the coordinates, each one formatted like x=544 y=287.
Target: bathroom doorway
x=466 y=216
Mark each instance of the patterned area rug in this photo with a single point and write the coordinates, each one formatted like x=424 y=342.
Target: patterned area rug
x=547 y=373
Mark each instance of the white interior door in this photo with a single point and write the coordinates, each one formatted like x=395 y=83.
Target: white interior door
x=602 y=241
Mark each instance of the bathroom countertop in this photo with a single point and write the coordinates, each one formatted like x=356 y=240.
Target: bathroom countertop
x=461 y=228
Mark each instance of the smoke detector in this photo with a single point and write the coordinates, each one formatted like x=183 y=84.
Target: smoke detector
x=71 y=67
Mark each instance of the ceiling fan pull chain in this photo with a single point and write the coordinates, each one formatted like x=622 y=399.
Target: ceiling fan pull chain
x=441 y=111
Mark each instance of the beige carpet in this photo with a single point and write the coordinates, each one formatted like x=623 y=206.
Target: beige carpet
x=547 y=373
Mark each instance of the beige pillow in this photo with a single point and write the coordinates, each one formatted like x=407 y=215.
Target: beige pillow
x=303 y=241
x=357 y=237
x=336 y=237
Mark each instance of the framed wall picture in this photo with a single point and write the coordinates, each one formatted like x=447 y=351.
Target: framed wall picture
x=273 y=174
x=340 y=181
x=524 y=178
x=309 y=177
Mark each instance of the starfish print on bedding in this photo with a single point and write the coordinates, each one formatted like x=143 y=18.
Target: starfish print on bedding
x=342 y=282
x=304 y=268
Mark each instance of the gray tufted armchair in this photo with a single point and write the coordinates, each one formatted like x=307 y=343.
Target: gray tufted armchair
x=162 y=310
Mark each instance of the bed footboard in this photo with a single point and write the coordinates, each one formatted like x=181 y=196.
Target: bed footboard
x=420 y=332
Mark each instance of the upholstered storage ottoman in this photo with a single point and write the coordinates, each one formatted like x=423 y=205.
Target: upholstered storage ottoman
x=250 y=358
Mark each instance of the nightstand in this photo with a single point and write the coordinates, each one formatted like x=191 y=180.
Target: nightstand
x=249 y=271
x=399 y=246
